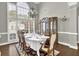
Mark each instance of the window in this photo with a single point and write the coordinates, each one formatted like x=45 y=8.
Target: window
x=12 y=17
x=22 y=13
x=12 y=36
x=11 y=11
x=22 y=10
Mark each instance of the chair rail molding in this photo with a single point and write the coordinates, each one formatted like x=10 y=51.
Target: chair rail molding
x=71 y=33
x=4 y=33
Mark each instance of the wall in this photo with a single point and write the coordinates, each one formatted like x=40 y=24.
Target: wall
x=53 y=9
x=68 y=29
x=78 y=20
x=3 y=22
x=69 y=35
x=3 y=17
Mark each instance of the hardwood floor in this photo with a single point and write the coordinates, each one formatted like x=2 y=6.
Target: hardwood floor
x=10 y=50
x=66 y=51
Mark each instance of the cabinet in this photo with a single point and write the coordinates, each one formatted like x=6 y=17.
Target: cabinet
x=44 y=26
x=49 y=25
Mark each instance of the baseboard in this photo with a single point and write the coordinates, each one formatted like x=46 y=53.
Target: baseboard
x=70 y=46
x=74 y=47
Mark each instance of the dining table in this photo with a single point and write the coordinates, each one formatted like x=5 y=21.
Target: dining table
x=34 y=40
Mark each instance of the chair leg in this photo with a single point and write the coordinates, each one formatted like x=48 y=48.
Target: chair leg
x=53 y=52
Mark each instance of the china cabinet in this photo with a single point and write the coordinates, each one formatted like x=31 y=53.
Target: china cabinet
x=49 y=25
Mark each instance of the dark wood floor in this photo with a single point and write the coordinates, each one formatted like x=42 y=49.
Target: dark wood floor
x=66 y=51
x=10 y=50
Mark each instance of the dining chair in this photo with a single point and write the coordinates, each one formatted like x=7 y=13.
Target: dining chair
x=21 y=41
x=25 y=46
x=50 y=50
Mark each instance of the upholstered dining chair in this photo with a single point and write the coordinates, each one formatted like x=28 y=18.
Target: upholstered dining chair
x=22 y=43
x=25 y=46
x=21 y=39
x=50 y=50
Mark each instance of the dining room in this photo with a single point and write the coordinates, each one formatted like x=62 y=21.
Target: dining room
x=39 y=28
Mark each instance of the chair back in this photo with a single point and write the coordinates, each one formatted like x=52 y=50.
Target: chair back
x=52 y=40
x=19 y=37
x=22 y=41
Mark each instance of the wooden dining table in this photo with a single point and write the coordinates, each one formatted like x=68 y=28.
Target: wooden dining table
x=34 y=40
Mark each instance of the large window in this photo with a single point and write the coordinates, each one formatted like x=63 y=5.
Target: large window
x=18 y=19
x=22 y=10
x=11 y=11
x=22 y=15
x=18 y=16
x=12 y=17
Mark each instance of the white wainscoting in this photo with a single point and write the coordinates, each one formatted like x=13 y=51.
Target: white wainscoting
x=67 y=44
